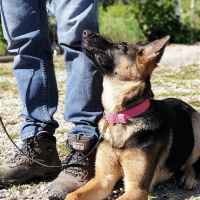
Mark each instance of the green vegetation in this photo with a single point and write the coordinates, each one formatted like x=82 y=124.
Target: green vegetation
x=21 y=188
x=136 y=20
x=5 y=85
x=157 y=19
x=3 y=44
x=62 y=151
x=14 y=135
x=118 y=23
x=63 y=131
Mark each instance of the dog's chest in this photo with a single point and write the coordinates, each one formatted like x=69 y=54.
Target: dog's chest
x=115 y=136
x=118 y=134
x=137 y=130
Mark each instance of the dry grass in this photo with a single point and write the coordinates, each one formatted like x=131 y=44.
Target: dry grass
x=183 y=84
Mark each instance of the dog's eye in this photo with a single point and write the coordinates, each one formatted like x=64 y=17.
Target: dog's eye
x=122 y=46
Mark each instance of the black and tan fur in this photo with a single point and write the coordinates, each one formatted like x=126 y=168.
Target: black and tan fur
x=151 y=147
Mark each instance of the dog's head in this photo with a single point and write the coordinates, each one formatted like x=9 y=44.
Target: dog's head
x=123 y=59
x=124 y=64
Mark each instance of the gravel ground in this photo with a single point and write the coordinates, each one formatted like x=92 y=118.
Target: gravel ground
x=175 y=56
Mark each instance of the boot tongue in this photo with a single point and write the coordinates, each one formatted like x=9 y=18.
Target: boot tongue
x=79 y=142
x=47 y=135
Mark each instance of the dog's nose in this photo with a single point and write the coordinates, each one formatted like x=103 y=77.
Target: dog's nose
x=86 y=33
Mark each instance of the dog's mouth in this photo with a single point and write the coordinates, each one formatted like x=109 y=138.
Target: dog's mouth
x=96 y=48
x=92 y=53
x=99 y=59
x=85 y=45
x=90 y=50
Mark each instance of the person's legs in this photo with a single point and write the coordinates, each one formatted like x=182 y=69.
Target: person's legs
x=83 y=94
x=26 y=31
x=84 y=83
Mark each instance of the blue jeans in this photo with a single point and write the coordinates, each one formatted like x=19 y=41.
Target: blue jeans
x=25 y=28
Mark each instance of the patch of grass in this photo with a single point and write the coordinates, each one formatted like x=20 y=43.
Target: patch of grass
x=61 y=131
x=62 y=150
x=195 y=103
x=59 y=62
x=164 y=76
x=186 y=73
x=61 y=86
x=3 y=45
x=171 y=94
x=6 y=85
x=6 y=71
x=21 y=188
x=14 y=135
x=182 y=84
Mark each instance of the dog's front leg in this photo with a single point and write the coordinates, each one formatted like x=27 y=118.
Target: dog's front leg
x=92 y=190
x=108 y=171
x=138 y=170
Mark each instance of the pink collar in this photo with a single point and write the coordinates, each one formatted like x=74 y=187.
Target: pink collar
x=121 y=117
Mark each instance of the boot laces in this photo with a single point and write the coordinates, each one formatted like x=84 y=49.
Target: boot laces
x=78 y=164
x=27 y=149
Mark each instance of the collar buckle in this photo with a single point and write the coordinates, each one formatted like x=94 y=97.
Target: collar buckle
x=121 y=117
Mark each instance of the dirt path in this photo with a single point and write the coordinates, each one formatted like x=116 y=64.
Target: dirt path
x=174 y=57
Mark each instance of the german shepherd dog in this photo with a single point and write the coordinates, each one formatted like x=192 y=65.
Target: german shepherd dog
x=148 y=145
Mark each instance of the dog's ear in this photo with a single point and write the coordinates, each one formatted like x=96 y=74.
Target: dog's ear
x=150 y=54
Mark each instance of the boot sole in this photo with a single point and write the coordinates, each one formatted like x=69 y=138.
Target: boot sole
x=42 y=176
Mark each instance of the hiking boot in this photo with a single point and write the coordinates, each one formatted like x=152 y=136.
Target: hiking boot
x=79 y=168
x=20 y=169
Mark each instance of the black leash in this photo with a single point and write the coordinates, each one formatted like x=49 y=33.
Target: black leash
x=61 y=166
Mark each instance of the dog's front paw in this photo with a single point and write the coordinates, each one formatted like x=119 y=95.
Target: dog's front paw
x=71 y=196
x=189 y=182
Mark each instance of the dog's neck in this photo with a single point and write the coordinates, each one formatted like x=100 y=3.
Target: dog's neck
x=122 y=117
x=115 y=94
